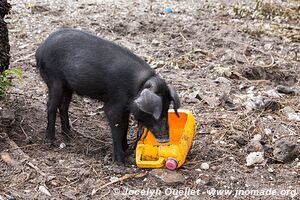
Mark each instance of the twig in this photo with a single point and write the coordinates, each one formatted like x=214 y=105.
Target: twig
x=36 y=168
x=22 y=147
x=24 y=58
x=183 y=37
x=75 y=120
x=126 y=176
x=23 y=129
x=90 y=137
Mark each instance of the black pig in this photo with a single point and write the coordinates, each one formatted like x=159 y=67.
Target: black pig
x=71 y=60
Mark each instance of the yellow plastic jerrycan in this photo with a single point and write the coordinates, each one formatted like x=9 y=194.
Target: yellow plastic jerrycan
x=172 y=154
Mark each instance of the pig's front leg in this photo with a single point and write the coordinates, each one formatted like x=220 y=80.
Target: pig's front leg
x=118 y=117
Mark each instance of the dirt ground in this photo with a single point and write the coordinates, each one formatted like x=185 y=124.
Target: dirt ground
x=225 y=58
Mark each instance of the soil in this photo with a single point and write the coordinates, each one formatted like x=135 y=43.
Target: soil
x=253 y=46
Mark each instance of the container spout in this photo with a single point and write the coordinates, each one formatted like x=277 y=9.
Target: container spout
x=171 y=163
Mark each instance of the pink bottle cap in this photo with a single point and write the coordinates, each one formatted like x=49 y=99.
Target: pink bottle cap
x=171 y=163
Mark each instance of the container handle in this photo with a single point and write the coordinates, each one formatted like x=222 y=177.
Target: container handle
x=149 y=163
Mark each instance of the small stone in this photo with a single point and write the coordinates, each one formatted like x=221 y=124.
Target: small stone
x=255 y=157
x=286 y=151
x=268 y=131
x=256 y=137
x=255 y=102
x=223 y=71
x=204 y=166
x=222 y=80
x=285 y=90
x=298 y=165
x=268 y=46
x=62 y=145
x=167 y=176
x=270 y=170
x=222 y=142
x=160 y=63
x=155 y=42
x=273 y=93
x=61 y=161
x=50 y=178
x=7 y=117
x=291 y=114
x=200 y=181
x=44 y=190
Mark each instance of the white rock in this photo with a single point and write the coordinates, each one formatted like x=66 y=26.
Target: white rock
x=294 y=116
x=254 y=102
x=273 y=93
x=222 y=80
x=204 y=166
x=256 y=137
x=44 y=190
x=254 y=157
x=62 y=145
x=223 y=71
x=291 y=114
x=50 y=178
x=222 y=142
x=268 y=131
x=268 y=46
x=199 y=180
x=270 y=170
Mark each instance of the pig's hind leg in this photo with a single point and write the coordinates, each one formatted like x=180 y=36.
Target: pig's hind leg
x=64 y=113
x=55 y=90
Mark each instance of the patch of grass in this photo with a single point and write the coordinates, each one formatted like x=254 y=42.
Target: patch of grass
x=267 y=10
x=271 y=10
x=6 y=79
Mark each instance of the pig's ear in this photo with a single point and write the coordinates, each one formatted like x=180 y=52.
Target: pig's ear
x=150 y=103
x=174 y=98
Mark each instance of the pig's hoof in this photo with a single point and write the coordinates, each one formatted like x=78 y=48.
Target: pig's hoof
x=118 y=169
x=131 y=160
x=51 y=144
x=119 y=161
